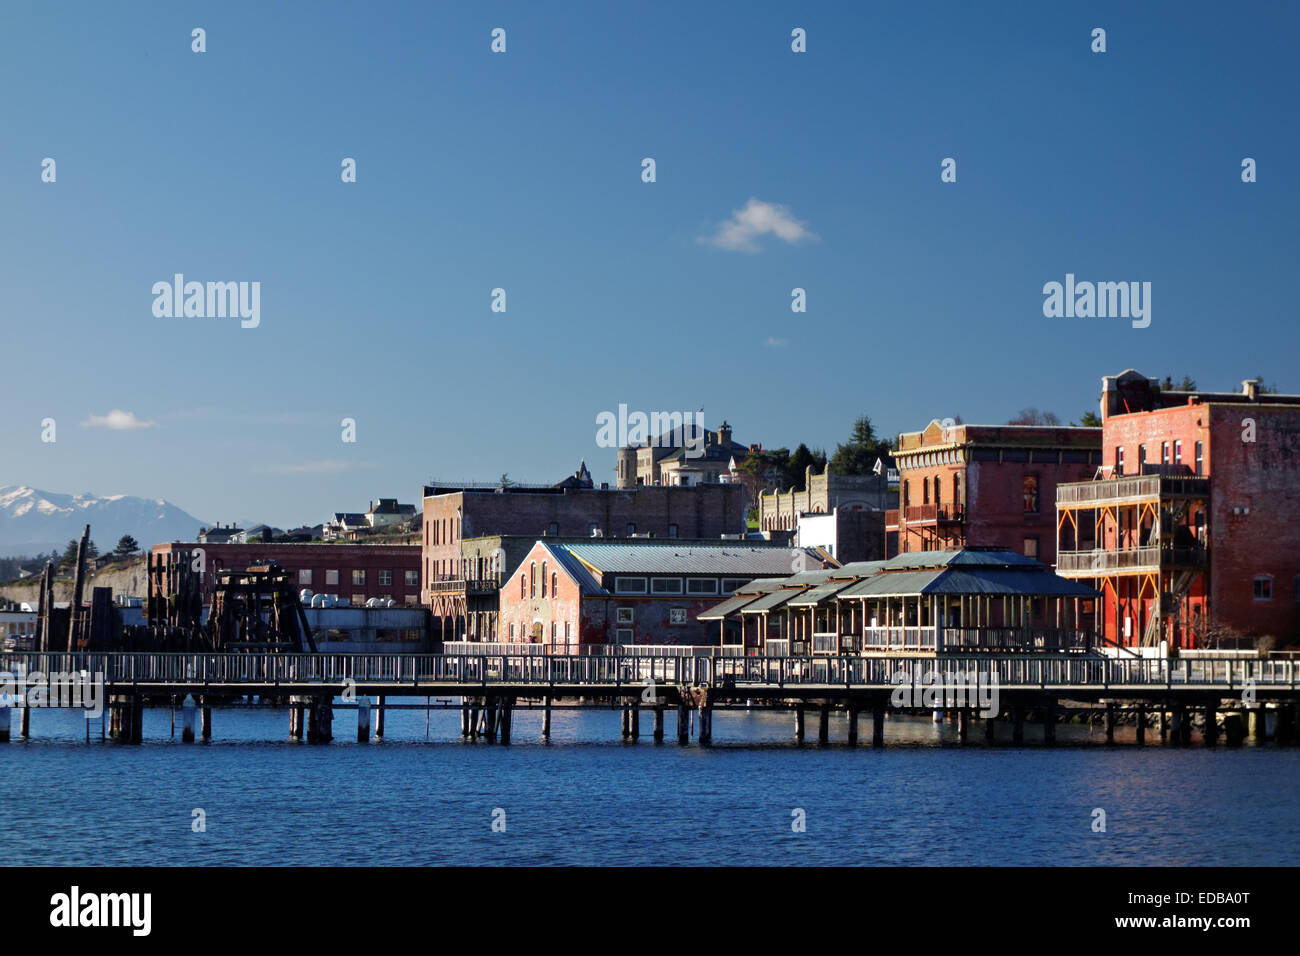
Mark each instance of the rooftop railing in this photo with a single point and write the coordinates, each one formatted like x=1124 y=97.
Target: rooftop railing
x=1135 y=486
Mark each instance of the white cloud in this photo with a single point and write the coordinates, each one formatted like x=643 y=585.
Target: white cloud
x=757 y=219
x=328 y=466
x=774 y=343
x=117 y=420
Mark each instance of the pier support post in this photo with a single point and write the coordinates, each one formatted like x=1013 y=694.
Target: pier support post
x=824 y=724
x=205 y=719
x=379 y=724
x=6 y=715
x=320 y=720
x=799 y=723
x=878 y=727
x=853 y=726
x=990 y=729
x=1164 y=723
x=363 y=720
x=625 y=722
x=126 y=718
x=706 y=724
x=1211 y=725
x=1049 y=721
x=546 y=718
x=1017 y=724
x=1284 y=726
x=659 y=724
x=24 y=722
x=1178 y=725
x=634 y=722
x=1110 y=722
x=1234 y=728
x=683 y=724
x=187 y=720
x=1141 y=726
x=506 y=716
x=963 y=723
x=297 y=707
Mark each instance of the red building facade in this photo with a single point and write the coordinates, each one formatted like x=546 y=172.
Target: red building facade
x=1193 y=531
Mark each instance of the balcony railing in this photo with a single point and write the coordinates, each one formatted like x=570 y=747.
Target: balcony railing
x=916 y=514
x=1137 y=486
x=466 y=585
x=1103 y=561
x=898 y=638
x=1015 y=638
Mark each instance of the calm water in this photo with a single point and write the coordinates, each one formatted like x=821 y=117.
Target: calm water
x=587 y=798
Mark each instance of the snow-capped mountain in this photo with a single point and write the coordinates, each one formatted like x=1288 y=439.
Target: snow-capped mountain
x=34 y=521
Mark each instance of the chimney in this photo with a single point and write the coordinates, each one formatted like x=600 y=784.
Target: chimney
x=1250 y=388
x=724 y=434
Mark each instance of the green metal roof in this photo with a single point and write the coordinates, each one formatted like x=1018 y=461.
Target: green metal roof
x=823 y=592
x=732 y=558
x=1001 y=581
x=770 y=602
x=728 y=607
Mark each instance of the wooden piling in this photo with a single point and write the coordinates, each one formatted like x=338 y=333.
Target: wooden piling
x=963 y=723
x=205 y=720
x=878 y=727
x=853 y=726
x=706 y=724
x=1017 y=724
x=990 y=724
x=363 y=720
x=634 y=724
x=379 y=723
x=1110 y=722
x=24 y=722
x=1141 y=726
x=187 y=719
x=824 y=724
x=659 y=724
x=5 y=718
x=799 y=723
x=546 y=718
x=683 y=724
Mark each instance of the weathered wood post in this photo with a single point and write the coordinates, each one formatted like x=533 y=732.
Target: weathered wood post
x=625 y=722
x=878 y=726
x=1110 y=722
x=490 y=727
x=1164 y=723
x=24 y=722
x=1141 y=725
x=187 y=719
x=205 y=720
x=853 y=726
x=1234 y=728
x=78 y=584
x=126 y=718
x=963 y=723
x=824 y=723
x=363 y=720
x=683 y=723
x=296 y=717
x=320 y=720
x=379 y=724
x=506 y=717
x=706 y=720
x=546 y=718
x=659 y=723
x=1211 y=725
x=799 y=722
x=1177 y=724
x=464 y=717
x=634 y=721
x=5 y=717
x=990 y=725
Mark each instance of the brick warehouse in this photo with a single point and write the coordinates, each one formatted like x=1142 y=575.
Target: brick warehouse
x=355 y=572
x=453 y=514
x=570 y=597
x=1192 y=533
x=987 y=485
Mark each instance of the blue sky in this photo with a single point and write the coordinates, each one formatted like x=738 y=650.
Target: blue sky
x=522 y=171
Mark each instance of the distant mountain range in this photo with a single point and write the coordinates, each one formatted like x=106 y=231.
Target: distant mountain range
x=37 y=522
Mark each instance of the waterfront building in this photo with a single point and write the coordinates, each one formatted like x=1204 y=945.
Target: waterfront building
x=355 y=573
x=1191 y=529
x=685 y=454
x=822 y=494
x=574 y=597
x=986 y=485
x=929 y=602
x=846 y=534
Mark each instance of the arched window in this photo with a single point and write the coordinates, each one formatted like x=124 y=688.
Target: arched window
x=925 y=491
x=532 y=579
x=543 y=579
x=907 y=493
x=555 y=580
x=1263 y=587
x=956 y=491
x=523 y=586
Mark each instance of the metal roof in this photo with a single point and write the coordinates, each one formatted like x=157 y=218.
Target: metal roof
x=772 y=601
x=737 y=558
x=815 y=596
x=728 y=607
x=988 y=557
x=587 y=584
x=966 y=581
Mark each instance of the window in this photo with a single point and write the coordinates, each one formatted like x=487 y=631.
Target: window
x=666 y=585
x=629 y=586
x=552 y=632
x=532 y=579
x=624 y=635
x=358 y=600
x=1263 y=587
x=1200 y=456
x=543 y=579
x=1142 y=459
x=1178 y=453
x=523 y=585
x=907 y=494
x=956 y=491
x=385 y=579
x=729 y=585
x=677 y=615
x=512 y=632
x=566 y=632
x=304 y=576
x=631 y=528
x=626 y=615
x=1030 y=491
x=1119 y=460
x=701 y=586
x=672 y=531
x=332 y=577
x=412 y=579
x=1164 y=453
x=358 y=579
x=1031 y=547
x=925 y=491
x=553 y=528
x=555 y=583
x=412 y=600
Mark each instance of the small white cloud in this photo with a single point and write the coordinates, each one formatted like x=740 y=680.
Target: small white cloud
x=117 y=420
x=757 y=219
x=774 y=343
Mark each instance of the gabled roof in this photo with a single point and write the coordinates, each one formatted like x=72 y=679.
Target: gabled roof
x=575 y=569
x=733 y=558
x=772 y=601
x=1014 y=582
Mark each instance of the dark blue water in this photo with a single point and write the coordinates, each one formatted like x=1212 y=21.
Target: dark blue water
x=588 y=798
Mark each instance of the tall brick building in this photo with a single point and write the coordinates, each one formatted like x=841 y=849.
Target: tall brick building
x=987 y=485
x=454 y=514
x=1193 y=531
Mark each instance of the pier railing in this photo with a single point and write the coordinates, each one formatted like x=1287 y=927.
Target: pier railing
x=215 y=673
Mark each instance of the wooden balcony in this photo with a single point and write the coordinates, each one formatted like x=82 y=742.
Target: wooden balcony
x=933 y=514
x=1128 y=560
x=465 y=586
x=1130 y=489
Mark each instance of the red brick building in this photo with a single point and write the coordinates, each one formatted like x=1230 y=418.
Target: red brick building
x=355 y=572
x=986 y=485
x=1193 y=532
x=454 y=514
x=570 y=597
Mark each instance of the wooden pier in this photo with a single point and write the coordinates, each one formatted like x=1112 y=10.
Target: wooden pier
x=1249 y=693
